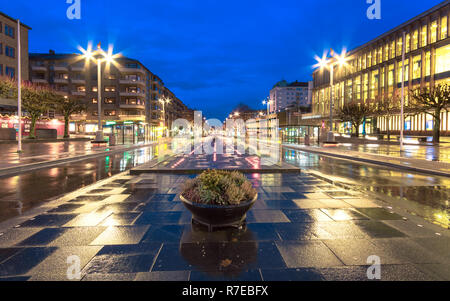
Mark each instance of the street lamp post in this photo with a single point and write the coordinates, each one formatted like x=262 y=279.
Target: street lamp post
x=99 y=56
x=268 y=103
x=164 y=101
x=324 y=62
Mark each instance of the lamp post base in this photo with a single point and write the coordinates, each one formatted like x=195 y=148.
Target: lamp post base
x=330 y=137
x=99 y=136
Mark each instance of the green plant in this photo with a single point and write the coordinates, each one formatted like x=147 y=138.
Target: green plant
x=216 y=187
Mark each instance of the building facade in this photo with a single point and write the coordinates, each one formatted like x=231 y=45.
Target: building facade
x=9 y=56
x=284 y=95
x=130 y=93
x=374 y=71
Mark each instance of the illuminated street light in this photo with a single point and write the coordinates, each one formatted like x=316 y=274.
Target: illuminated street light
x=99 y=56
x=164 y=101
x=324 y=62
x=267 y=102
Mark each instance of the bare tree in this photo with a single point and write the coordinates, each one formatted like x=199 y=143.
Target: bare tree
x=387 y=106
x=431 y=101
x=355 y=113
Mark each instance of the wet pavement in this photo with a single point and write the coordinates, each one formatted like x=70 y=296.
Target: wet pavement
x=22 y=192
x=301 y=228
x=424 y=195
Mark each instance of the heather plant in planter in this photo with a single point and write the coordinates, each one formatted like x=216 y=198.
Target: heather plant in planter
x=219 y=198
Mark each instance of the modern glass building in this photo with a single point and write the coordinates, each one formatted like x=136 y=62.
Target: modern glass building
x=374 y=71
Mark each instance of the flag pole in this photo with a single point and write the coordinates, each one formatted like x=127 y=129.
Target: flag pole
x=19 y=87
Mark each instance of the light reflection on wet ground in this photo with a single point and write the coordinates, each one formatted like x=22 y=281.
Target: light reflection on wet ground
x=22 y=192
x=425 y=195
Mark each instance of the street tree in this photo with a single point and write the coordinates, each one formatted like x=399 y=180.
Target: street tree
x=67 y=106
x=431 y=101
x=387 y=106
x=36 y=101
x=355 y=113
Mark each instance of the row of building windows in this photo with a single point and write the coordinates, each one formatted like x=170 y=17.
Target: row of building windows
x=9 y=51
x=9 y=71
x=128 y=101
x=416 y=38
x=9 y=30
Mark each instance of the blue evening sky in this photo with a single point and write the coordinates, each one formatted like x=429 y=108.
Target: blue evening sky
x=214 y=54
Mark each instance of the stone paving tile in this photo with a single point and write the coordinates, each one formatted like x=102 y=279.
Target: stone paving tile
x=410 y=229
x=121 y=235
x=344 y=214
x=160 y=197
x=23 y=261
x=438 y=245
x=361 y=203
x=118 y=207
x=55 y=267
x=379 y=214
x=296 y=232
x=163 y=206
x=16 y=235
x=163 y=276
x=404 y=272
x=407 y=250
x=280 y=204
x=87 y=219
x=66 y=208
x=306 y=216
x=376 y=229
x=159 y=218
x=121 y=219
x=309 y=204
x=7 y=253
x=166 y=233
x=49 y=220
x=359 y=251
x=77 y=236
x=307 y=254
x=339 y=230
x=43 y=237
x=267 y=216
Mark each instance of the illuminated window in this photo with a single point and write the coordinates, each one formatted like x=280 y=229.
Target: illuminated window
x=110 y=113
x=408 y=43
x=415 y=40
x=444 y=27
x=374 y=84
x=417 y=66
x=81 y=89
x=94 y=100
x=433 y=32
x=386 y=52
x=423 y=36
x=400 y=71
x=94 y=89
x=110 y=89
x=428 y=63
x=443 y=59
x=109 y=100
x=349 y=90
x=364 y=62
x=365 y=86
x=391 y=75
x=399 y=46
x=392 y=50
x=380 y=55
x=374 y=57
x=358 y=87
